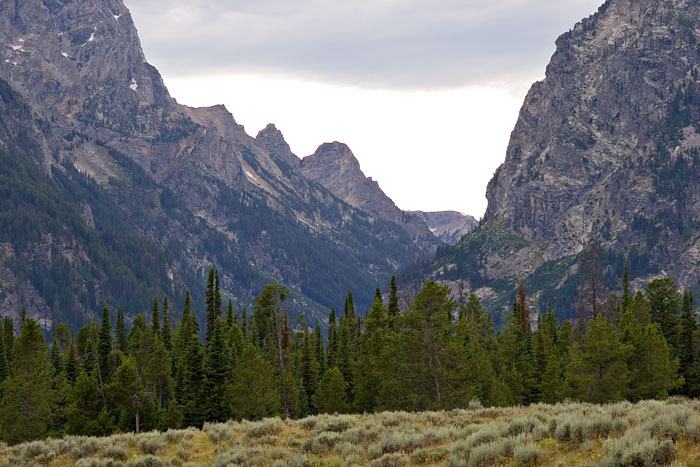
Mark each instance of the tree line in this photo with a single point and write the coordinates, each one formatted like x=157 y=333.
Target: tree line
x=434 y=353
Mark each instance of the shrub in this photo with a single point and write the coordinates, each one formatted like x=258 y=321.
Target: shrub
x=95 y=462
x=338 y=424
x=485 y=454
x=151 y=444
x=146 y=461
x=37 y=451
x=428 y=456
x=390 y=460
x=362 y=435
x=174 y=436
x=85 y=447
x=247 y=456
x=115 y=452
x=322 y=442
x=637 y=449
x=182 y=453
x=475 y=404
x=267 y=426
x=528 y=454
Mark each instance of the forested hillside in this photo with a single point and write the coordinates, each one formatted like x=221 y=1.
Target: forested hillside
x=433 y=354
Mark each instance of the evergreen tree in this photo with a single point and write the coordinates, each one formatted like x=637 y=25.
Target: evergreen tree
x=653 y=372
x=664 y=301
x=598 y=369
x=216 y=368
x=252 y=393
x=56 y=361
x=104 y=346
x=155 y=318
x=626 y=293
x=4 y=365
x=308 y=370
x=128 y=395
x=28 y=397
x=121 y=332
x=332 y=340
x=524 y=311
x=331 y=396
x=366 y=372
x=687 y=345
x=212 y=311
x=393 y=306
x=72 y=369
x=194 y=397
x=87 y=414
x=592 y=293
x=9 y=334
x=229 y=315
x=165 y=331
x=319 y=354
x=552 y=384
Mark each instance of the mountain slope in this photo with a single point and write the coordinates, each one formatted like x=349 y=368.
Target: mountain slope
x=448 y=226
x=605 y=150
x=188 y=182
x=335 y=167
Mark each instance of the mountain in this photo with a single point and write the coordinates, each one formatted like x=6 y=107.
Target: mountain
x=448 y=226
x=115 y=193
x=605 y=150
x=334 y=166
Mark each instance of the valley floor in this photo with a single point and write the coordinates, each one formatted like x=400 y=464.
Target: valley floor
x=621 y=434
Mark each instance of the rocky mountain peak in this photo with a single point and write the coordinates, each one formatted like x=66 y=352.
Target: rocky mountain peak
x=273 y=141
x=334 y=166
x=606 y=150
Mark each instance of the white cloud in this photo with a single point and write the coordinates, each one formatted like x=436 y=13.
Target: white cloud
x=425 y=93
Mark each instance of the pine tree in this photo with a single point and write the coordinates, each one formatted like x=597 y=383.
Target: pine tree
x=216 y=368
x=211 y=315
x=155 y=318
x=121 y=332
x=252 y=394
x=524 y=310
x=165 y=330
x=72 y=369
x=56 y=361
x=331 y=396
x=308 y=371
x=626 y=294
x=194 y=398
x=28 y=397
x=665 y=303
x=592 y=293
x=332 y=340
x=393 y=306
x=229 y=315
x=4 y=365
x=86 y=415
x=104 y=345
x=366 y=374
x=129 y=396
x=217 y=295
x=552 y=385
x=319 y=354
x=687 y=354
x=598 y=369
x=9 y=334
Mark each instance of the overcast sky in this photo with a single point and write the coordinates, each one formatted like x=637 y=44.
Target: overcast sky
x=425 y=93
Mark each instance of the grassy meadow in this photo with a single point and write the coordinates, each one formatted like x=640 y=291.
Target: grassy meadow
x=623 y=434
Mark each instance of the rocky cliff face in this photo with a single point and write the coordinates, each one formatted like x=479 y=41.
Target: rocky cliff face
x=606 y=150
x=334 y=166
x=154 y=191
x=448 y=226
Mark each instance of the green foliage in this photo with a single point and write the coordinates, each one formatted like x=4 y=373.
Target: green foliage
x=331 y=396
x=254 y=378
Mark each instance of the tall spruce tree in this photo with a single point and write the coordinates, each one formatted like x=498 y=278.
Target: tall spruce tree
x=332 y=340
x=28 y=396
x=9 y=334
x=155 y=318
x=165 y=332
x=598 y=370
x=687 y=345
x=216 y=369
x=393 y=304
x=252 y=394
x=104 y=346
x=4 y=365
x=665 y=303
x=121 y=331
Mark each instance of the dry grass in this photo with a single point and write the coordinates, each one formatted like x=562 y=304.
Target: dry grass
x=649 y=433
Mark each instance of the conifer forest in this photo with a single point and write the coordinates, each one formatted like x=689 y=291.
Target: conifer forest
x=166 y=370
